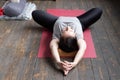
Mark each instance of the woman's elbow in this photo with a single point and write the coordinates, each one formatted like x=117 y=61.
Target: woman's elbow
x=53 y=44
x=84 y=45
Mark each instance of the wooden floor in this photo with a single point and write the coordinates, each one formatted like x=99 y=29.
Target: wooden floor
x=19 y=44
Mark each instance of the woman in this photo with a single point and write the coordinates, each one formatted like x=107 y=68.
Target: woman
x=67 y=34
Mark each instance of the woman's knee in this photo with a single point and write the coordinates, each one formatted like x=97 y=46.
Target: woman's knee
x=98 y=10
x=35 y=12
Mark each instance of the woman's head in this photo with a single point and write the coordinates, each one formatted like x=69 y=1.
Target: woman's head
x=68 y=41
x=68 y=44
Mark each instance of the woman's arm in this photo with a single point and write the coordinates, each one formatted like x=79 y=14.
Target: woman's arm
x=54 y=49
x=81 y=51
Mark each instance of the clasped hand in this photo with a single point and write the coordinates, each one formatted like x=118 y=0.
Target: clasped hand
x=66 y=66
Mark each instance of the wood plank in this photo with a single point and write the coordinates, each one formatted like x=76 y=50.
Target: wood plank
x=106 y=44
x=99 y=69
x=59 y=3
x=113 y=60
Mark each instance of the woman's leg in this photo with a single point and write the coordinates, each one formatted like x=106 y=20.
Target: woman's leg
x=44 y=19
x=89 y=17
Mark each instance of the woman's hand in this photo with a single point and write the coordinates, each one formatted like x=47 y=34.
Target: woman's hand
x=69 y=65
x=66 y=66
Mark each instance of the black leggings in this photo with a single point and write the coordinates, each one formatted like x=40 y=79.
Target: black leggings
x=47 y=20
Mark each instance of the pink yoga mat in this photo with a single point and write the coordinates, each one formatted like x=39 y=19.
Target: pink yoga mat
x=44 y=50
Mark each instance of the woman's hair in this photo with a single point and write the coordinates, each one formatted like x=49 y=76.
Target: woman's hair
x=68 y=44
